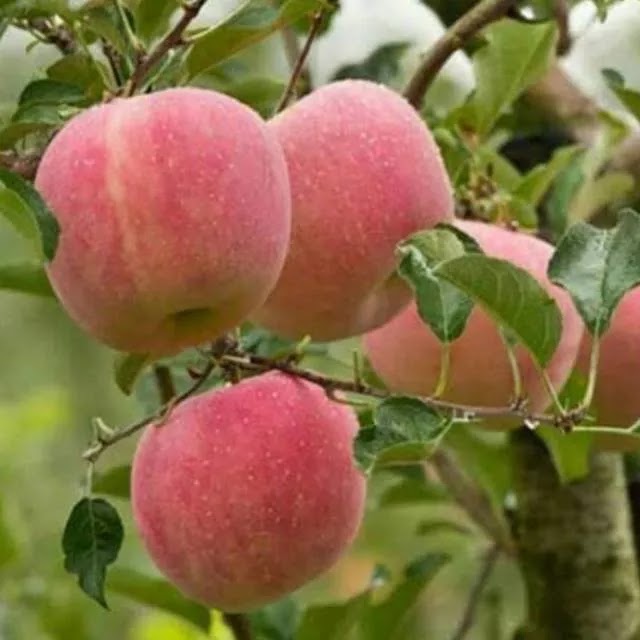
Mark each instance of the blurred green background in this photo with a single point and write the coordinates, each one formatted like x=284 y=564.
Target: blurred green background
x=54 y=380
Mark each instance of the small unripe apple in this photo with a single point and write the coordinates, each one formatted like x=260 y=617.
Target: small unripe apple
x=246 y=493
x=365 y=173
x=406 y=354
x=175 y=216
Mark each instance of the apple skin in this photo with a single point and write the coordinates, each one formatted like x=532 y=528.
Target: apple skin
x=365 y=173
x=175 y=212
x=616 y=400
x=246 y=493
x=406 y=354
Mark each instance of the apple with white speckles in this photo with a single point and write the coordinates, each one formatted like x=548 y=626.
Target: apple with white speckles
x=247 y=492
x=175 y=215
x=365 y=173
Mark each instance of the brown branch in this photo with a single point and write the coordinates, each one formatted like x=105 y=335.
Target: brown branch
x=561 y=14
x=174 y=39
x=473 y=500
x=57 y=35
x=261 y=364
x=239 y=625
x=488 y=564
x=454 y=39
x=299 y=66
x=114 y=59
x=104 y=441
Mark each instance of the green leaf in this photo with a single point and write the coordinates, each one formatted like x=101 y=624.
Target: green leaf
x=44 y=219
x=597 y=267
x=154 y=592
x=442 y=306
x=382 y=66
x=49 y=91
x=386 y=620
x=16 y=211
x=127 y=368
x=515 y=56
x=411 y=491
x=91 y=541
x=13 y=132
x=513 y=297
x=81 y=71
x=276 y=621
x=251 y=23
x=115 y=482
x=405 y=430
x=629 y=97
x=25 y=277
x=335 y=621
x=563 y=192
x=570 y=452
x=535 y=184
x=152 y=17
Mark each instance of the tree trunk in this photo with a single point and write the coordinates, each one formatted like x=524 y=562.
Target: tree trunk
x=576 y=547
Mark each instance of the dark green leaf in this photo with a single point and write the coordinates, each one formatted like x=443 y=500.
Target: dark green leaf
x=45 y=221
x=412 y=491
x=382 y=66
x=25 y=277
x=405 y=430
x=430 y=527
x=535 y=184
x=14 y=132
x=515 y=56
x=154 y=592
x=82 y=71
x=442 y=306
x=335 y=621
x=597 y=267
x=385 y=621
x=115 y=482
x=50 y=92
x=251 y=23
x=127 y=368
x=276 y=621
x=91 y=542
x=563 y=192
x=513 y=297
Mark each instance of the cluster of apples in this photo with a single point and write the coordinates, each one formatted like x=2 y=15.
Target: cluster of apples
x=183 y=214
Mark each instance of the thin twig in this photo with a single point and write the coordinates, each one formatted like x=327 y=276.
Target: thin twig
x=260 y=364
x=114 y=59
x=104 y=442
x=473 y=500
x=57 y=35
x=455 y=38
x=561 y=14
x=488 y=564
x=174 y=39
x=239 y=625
x=298 y=68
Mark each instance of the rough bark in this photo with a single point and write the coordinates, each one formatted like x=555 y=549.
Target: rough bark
x=576 y=547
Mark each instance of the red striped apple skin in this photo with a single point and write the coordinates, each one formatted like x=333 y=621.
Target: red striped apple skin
x=248 y=492
x=365 y=173
x=406 y=354
x=175 y=217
